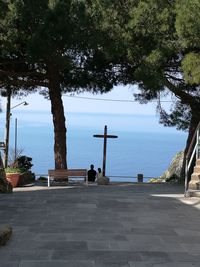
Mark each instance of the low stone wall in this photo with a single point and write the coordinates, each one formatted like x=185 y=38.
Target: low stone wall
x=103 y=181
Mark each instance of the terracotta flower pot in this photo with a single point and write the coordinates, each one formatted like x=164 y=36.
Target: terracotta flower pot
x=13 y=178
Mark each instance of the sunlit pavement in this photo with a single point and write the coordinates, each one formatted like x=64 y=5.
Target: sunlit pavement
x=118 y=225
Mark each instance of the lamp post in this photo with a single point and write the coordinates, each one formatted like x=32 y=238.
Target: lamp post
x=7 y=127
x=24 y=103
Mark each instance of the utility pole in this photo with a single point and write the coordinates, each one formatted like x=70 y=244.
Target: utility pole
x=15 y=138
x=7 y=129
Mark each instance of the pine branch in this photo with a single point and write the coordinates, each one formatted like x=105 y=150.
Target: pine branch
x=185 y=98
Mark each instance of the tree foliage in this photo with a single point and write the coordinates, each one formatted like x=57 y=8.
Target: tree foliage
x=73 y=45
x=188 y=30
x=54 y=46
x=162 y=54
x=57 y=32
x=160 y=39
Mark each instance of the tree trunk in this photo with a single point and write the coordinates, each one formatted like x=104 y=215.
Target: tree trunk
x=57 y=111
x=193 y=125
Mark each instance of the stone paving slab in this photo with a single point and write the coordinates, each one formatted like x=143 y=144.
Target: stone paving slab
x=122 y=225
x=57 y=263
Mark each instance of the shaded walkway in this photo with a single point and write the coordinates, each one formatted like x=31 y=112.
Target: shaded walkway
x=126 y=225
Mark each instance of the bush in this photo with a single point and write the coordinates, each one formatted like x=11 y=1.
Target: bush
x=20 y=165
x=156 y=180
x=24 y=163
x=42 y=178
x=174 y=178
x=13 y=170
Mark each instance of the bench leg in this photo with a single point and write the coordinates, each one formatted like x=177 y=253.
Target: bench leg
x=48 y=181
x=86 y=180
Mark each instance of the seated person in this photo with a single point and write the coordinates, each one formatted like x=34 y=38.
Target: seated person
x=99 y=173
x=91 y=174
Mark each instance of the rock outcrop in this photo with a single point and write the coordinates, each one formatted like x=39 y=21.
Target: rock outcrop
x=175 y=168
x=5 y=186
x=5 y=233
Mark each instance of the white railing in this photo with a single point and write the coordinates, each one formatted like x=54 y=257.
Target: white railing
x=194 y=150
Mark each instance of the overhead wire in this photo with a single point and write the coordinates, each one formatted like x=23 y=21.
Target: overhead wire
x=112 y=100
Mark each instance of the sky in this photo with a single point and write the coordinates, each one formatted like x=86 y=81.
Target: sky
x=71 y=104
x=79 y=113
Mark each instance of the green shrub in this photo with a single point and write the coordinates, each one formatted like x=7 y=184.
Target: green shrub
x=24 y=163
x=173 y=178
x=13 y=170
x=42 y=178
x=156 y=180
x=20 y=165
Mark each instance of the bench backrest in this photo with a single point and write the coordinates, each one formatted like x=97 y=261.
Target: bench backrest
x=67 y=172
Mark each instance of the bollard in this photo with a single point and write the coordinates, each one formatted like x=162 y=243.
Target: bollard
x=140 y=178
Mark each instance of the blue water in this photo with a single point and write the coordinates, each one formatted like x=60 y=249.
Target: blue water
x=143 y=146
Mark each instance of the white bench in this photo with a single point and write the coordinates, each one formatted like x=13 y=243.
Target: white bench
x=65 y=174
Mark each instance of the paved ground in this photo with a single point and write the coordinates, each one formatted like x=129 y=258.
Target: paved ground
x=112 y=226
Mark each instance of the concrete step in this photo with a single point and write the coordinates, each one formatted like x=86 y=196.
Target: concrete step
x=197 y=169
x=195 y=177
x=194 y=193
x=198 y=162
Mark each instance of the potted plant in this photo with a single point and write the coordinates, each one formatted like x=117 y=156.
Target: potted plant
x=13 y=175
x=18 y=173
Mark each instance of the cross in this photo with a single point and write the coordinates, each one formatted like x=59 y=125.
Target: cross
x=105 y=136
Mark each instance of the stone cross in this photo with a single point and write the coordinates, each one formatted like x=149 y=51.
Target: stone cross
x=105 y=136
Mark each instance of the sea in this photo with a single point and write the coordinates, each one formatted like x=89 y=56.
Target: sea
x=143 y=145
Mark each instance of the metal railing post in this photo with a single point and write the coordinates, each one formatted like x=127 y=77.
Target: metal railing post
x=186 y=177
x=198 y=144
x=192 y=150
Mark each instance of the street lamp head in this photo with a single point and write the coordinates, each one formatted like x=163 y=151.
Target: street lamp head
x=24 y=103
